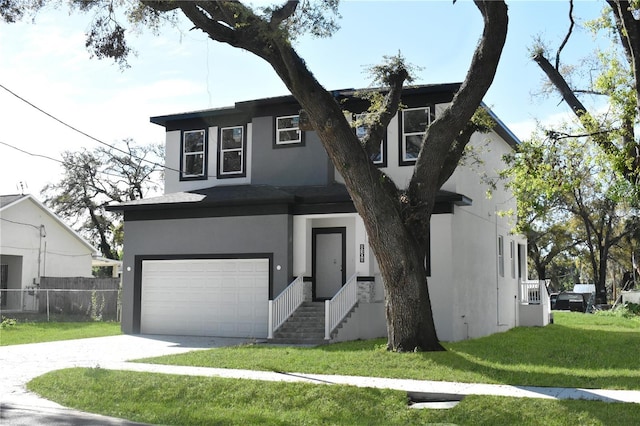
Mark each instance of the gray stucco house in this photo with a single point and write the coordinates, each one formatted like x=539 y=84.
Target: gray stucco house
x=255 y=223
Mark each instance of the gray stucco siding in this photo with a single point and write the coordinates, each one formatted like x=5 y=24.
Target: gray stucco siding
x=241 y=236
x=286 y=165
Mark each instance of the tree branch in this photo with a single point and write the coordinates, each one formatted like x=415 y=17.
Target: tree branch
x=389 y=110
x=446 y=128
x=283 y=12
x=566 y=38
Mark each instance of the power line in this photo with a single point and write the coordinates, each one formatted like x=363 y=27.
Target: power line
x=66 y=164
x=153 y=163
x=75 y=129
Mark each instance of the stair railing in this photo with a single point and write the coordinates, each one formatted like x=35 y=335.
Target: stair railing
x=337 y=308
x=281 y=308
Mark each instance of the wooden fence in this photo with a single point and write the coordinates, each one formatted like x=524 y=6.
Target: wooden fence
x=95 y=298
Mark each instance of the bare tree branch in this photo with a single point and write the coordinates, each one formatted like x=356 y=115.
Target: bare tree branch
x=566 y=38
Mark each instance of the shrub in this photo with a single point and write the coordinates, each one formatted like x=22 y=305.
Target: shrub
x=8 y=322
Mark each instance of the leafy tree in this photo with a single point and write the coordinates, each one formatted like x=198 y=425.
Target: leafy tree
x=93 y=179
x=614 y=75
x=396 y=219
x=565 y=179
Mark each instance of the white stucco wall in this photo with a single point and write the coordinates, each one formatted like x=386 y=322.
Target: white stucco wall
x=56 y=252
x=302 y=241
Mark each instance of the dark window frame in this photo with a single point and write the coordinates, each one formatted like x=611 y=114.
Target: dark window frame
x=276 y=133
x=402 y=161
x=205 y=154
x=221 y=174
x=383 y=143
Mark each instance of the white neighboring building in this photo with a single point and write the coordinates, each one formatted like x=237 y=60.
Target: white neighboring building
x=35 y=243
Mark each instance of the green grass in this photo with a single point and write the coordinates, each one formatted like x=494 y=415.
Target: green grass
x=177 y=400
x=36 y=332
x=579 y=350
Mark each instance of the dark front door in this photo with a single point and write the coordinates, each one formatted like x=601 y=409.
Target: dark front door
x=329 y=260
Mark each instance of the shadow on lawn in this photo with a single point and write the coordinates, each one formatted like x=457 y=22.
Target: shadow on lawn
x=532 y=357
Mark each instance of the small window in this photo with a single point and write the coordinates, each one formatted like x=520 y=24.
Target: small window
x=414 y=126
x=512 y=253
x=193 y=155
x=362 y=129
x=501 y=255
x=288 y=130
x=231 y=161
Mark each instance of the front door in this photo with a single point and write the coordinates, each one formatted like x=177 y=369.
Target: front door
x=328 y=261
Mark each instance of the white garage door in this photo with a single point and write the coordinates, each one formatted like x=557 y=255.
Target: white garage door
x=205 y=297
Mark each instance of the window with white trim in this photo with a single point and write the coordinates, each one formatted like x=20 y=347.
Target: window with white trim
x=231 y=148
x=288 y=131
x=414 y=126
x=362 y=129
x=193 y=162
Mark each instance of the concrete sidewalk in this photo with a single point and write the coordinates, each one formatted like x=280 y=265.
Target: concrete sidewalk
x=408 y=385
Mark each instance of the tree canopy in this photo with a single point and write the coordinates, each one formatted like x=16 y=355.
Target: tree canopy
x=93 y=179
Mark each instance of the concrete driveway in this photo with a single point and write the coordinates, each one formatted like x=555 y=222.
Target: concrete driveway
x=21 y=363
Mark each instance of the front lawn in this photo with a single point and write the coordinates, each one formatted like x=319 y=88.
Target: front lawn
x=180 y=400
x=22 y=332
x=579 y=350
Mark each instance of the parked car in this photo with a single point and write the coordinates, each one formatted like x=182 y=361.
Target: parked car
x=553 y=297
x=570 y=301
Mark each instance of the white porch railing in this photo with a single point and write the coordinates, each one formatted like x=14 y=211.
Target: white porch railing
x=531 y=292
x=337 y=308
x=535 y=304
x=285 y=304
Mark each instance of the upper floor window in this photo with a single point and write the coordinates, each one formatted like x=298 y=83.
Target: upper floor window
x=362 y=129
x=288 y=130
x=414 y=126
x=232 y=152
x=193 y=161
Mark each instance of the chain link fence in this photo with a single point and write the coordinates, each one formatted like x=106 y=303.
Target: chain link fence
x=64 y=299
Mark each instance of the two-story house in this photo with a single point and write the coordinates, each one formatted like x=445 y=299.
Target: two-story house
x=253 y=204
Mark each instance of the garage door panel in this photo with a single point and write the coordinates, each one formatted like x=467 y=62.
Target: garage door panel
x=213 y=297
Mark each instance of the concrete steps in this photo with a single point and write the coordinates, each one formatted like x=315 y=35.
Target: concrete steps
x=305 y=326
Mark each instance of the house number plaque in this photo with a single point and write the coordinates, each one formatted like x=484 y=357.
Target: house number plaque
x=361 y=253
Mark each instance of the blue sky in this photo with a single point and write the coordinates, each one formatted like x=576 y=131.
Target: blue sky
x=46 y=63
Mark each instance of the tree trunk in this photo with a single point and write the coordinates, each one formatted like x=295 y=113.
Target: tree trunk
x=396 y=240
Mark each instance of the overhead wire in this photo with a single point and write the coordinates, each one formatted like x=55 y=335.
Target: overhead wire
x=53 y=159
x=75 y=129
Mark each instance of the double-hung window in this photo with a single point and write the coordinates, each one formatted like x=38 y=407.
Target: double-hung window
x=414 y=126
x=288 y=130
x=194 y=147
x=362 y=129
x=231 y=161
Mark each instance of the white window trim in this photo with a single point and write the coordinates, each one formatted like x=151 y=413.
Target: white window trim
x=286 y=129
x=404 y=135
x=186 y=154
x=223 y=151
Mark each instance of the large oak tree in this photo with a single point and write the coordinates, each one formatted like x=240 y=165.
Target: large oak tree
x=396 y=219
